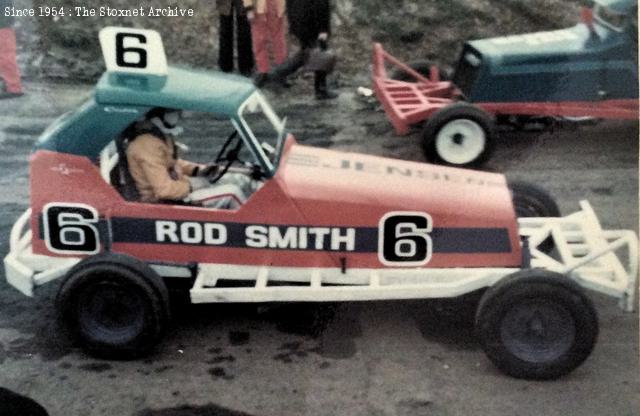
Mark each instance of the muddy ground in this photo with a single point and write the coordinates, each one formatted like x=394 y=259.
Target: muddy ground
x=374 y=358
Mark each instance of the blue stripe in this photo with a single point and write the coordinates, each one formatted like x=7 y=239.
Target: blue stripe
x=445 y=240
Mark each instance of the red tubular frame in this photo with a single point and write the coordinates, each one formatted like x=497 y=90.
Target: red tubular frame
x=411 y=102
x=407 y=103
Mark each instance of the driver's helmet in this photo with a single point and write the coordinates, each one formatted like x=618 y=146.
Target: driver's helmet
x=166 y=120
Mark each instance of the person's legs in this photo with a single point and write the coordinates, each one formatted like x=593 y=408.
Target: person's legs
x=321 y=88
x=320 y=81
x=8 y=67
x=245 y=51
x=259 y=36
x=225 y=37
x=230 y=192
x=245 y=185
x=289 y=66
x=276 y=26
x=225 y=196
x=211 y=198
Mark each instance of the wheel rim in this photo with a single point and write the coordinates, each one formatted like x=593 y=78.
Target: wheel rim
x=111 y=313
x=578 y=119
x=461 y=141
x=537 y=331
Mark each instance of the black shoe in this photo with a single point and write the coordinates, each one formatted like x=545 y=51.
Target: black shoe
x=246 y=73
x=285 y=83
x=325 y=95
x=260 y=79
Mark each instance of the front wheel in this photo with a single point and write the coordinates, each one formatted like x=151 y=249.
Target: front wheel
x=114 y=305
x=459 y=134
x=536 y=324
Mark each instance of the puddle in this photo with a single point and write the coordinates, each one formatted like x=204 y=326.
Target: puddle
x=206 y=410
x=238 y=338
x=221 y=359
x=96 y=367
x=220 y=373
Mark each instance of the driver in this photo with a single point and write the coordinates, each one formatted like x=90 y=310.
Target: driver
x=161 y=176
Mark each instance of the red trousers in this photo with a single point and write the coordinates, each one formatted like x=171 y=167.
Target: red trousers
x=265 y=28
x=8 y=67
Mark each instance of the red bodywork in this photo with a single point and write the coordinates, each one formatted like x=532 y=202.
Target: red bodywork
x=408 y=103
x=312 y=188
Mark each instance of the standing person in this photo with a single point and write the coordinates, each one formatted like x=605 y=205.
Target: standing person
x=227 y=9
x=9 y=72
x=267 y=26
x=310 y=23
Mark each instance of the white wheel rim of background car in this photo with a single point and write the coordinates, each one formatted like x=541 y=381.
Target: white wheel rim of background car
x=460 y=141
x=577 y=119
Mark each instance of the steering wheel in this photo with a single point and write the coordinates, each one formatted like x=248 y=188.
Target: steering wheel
x=221 y=154
x=229 y=156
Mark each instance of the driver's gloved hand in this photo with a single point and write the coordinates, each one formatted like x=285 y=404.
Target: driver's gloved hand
x=206 y=170
x=197 y=183
x=256 y=173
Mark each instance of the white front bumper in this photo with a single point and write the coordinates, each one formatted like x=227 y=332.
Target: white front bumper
x=25 y=270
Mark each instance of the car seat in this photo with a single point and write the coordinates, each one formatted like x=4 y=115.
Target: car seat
x=123 y=181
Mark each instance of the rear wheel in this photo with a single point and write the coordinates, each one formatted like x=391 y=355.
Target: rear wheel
x=530 y=200
x=536 y=325
x=114 y=305
x=459 y=134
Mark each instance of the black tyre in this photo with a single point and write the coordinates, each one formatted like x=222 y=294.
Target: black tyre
x=536 y=325
x=532 y=201
x=459 y=134
x=422 y=67
x=114 y=305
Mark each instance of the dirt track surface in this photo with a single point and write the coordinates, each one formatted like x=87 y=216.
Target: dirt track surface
x=375 y=358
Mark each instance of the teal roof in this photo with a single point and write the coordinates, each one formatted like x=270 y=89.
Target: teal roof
x=121 y=99
x=620 y=6
x=181 y=88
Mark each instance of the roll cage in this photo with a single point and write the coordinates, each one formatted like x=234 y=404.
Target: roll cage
x=267 y=154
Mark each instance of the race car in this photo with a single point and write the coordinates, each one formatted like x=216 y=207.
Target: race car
x=320 y=225
x=586 y=72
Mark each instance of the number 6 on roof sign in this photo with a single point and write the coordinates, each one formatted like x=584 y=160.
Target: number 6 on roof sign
x=133 y=51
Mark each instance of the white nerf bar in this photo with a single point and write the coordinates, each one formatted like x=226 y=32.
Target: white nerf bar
x=25 y=270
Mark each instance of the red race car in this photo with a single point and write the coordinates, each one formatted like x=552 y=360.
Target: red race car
x=312 y=225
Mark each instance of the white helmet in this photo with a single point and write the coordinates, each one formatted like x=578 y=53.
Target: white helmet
x=166 y=119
